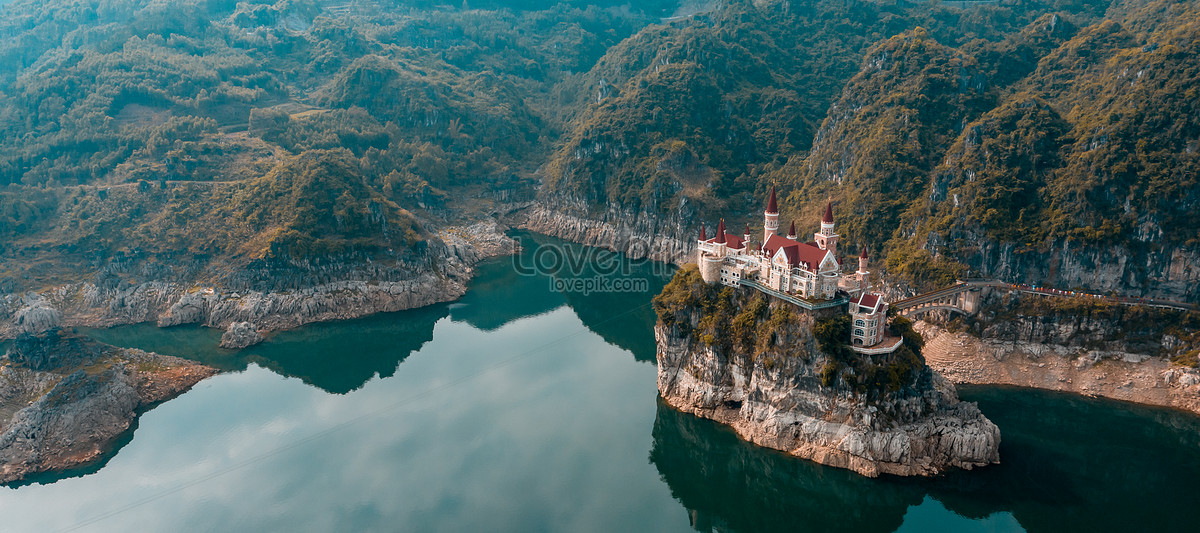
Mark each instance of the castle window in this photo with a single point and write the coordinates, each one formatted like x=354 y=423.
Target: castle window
x=859 y=332
x=859 y=322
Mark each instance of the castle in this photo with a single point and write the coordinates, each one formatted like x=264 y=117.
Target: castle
x=785 y=267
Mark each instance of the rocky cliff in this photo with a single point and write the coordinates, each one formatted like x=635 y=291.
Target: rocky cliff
x=65 y=400
x=266 y=299
x=1130 y=353
x=638 y=234
x=764 y=367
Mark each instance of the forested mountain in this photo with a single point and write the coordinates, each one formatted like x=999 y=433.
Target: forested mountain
x=947 y=134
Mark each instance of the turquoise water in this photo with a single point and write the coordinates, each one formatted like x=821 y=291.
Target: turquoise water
x=519 y=408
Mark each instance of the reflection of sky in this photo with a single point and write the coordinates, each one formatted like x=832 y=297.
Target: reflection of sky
x=554 y=440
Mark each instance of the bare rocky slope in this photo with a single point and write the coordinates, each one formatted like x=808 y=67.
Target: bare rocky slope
x=65 y=400
x=1134 y=354
x=783 y=391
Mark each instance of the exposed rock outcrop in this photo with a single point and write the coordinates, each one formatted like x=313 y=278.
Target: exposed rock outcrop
x=780 y=392
x=240 y=335
x=640 y=235
x=64 y=400
x=1079 y=346
x=275 y=298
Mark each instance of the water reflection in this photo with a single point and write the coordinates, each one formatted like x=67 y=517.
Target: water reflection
x=728 y=484
x=339 y=357
x=502 y=292
x=1069 y=464
x=335 y=357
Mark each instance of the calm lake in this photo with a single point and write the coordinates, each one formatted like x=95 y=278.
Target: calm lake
x=522 y=408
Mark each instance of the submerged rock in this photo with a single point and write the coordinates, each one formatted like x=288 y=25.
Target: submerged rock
x=758 y=367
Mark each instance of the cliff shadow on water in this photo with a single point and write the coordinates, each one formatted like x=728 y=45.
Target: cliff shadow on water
x=1059 y=473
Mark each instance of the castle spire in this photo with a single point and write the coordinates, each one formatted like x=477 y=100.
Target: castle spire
x=828 y=218
x=771 y=218
x=792 y=231
x=703 y=237
x=863 y=255
x=721 y=232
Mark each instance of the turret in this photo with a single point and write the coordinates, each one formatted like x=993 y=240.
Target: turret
x=770 y=217
x=863 y=274
x=703 y=237
x=826 y=239
x=746 y=237
x=792 y=231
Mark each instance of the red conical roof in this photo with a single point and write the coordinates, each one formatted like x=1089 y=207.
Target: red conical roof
x=703 y=237
x=721 y=232
x=747 y=228
x=863 y=255
x=828 y=219
x=771 y=205
x=792 y=230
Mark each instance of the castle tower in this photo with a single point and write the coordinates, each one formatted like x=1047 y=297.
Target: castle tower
x=709 y=263
x=746 y=237
x=863 y=274
x=770 y=217
x=792 y=231
x=826 y=238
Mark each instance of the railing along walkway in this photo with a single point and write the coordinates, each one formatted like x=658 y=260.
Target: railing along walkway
x=964 y=286
x=811 y=306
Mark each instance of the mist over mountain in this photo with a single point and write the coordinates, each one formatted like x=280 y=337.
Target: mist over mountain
x=1011 y=139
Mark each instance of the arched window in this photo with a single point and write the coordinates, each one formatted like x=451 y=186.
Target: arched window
x=859 y=322
x=858 y=332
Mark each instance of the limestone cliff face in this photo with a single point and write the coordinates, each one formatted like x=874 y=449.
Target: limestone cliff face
x=638 y=234
x=271 y=299
x=1135 y=354
x=64 y=400
x=776 y=395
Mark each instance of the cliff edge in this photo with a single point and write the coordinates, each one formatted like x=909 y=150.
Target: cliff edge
x=782 y=378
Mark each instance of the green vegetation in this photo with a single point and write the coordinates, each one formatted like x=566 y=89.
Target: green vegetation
x=936 y=130
x=749 y=327
x=873 y=376
x=234 y=132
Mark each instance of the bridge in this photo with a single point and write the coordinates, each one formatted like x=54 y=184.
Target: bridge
x=964 y=298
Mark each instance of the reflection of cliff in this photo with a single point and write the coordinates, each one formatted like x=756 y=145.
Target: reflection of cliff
x=337 y=357
x=340 y=358
x=1070 y=464
x=506 y=289
x=623 y=319
x=1085 y=465
x=503 y=291
x=729 y=484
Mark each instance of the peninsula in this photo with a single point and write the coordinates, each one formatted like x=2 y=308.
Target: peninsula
x=774 y=341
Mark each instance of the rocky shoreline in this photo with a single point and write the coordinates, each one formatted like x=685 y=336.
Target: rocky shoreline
x=247 y=315
x=65 y=400
x=1117 y=375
